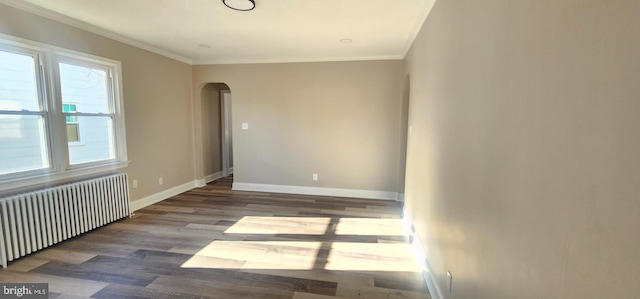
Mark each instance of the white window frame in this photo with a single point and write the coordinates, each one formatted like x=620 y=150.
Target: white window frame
x=60 y=169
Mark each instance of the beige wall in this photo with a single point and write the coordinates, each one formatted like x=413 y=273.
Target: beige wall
x=211 y=128
x=523 y=168
x=157 y=99
x=338 y=119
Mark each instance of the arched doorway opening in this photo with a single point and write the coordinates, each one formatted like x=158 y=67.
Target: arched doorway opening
x=217 y=137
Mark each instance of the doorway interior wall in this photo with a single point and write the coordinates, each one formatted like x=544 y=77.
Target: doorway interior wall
x=226 y=133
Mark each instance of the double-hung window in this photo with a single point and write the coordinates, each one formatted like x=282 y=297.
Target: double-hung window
x=60 y=114
x=87 y=97
x=24 y=146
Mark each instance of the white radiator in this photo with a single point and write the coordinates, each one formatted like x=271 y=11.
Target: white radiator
x=35 y=220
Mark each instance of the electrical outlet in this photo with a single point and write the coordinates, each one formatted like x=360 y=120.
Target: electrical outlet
x=135 y=183
x=160 y=181
x=315 y=176
x=449 y=280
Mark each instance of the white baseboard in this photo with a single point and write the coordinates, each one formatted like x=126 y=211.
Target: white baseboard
x=421 y=257
x=160 y=196
x=354 y=193
x=208 y=179
x=372 y=194
x=200 y=183
x=212 y=177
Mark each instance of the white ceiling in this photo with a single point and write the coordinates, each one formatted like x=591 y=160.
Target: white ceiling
x=276 y=31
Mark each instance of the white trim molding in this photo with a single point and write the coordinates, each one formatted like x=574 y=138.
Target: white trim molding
x=421 y=257
x=299 y=60
x=200 y=183
x=424 y=14
x=212 y=177
x=208 y=179
x=162 y=195
x=337 y=192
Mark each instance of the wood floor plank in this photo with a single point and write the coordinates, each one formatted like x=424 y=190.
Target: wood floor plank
x=299 y=295
x=411 y=285
x=102 y=248
x=102 y=272
x=57 y=284
x=66 y=296
x=354 y=279
x=26 y=265
x=118 y=291
x=347 y=291
x=216 y=290
x=55 y=254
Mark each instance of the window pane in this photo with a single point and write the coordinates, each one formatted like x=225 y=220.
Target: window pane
x=18 y=89
x=72 y=133
x=96 y=140
x=69 y=108
x=85 y=87
x=22 y=145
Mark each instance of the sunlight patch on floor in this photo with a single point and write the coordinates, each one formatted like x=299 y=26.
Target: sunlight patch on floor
x=296 y=255
x=369 y=227
x=348 y=256
x=280 y=225
x=256 y=255
x=317 y=226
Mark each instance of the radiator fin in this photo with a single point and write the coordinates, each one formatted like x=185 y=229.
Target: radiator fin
x=35 y=220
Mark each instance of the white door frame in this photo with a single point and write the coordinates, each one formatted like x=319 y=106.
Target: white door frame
x=225 y=115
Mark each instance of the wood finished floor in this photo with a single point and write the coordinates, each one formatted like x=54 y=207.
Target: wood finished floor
x=212 y=242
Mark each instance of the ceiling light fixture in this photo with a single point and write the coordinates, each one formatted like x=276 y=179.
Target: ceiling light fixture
x=346 y=40
x=241 y=5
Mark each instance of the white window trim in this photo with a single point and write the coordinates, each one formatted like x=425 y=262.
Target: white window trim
x=60 y=169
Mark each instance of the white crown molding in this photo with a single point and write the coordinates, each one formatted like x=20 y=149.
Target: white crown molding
x=51 y=15
x=424 y=14
x=337 y=192
x=300 y=60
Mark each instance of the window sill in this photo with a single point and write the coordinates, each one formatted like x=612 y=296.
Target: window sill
x=24 y=184
x=76 y=143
